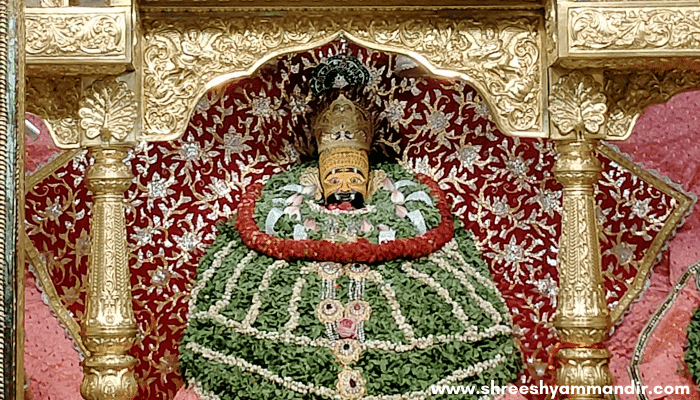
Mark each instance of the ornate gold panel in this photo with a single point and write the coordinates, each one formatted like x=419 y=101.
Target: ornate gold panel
x=629 y=93
x=291 y=4
x=500 y=57
x=55 y=100
x=78 y=40
x=577 y=108
x=624 y=34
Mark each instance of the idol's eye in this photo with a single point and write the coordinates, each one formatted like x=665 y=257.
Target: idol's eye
x=355 y=180
x=335 y=181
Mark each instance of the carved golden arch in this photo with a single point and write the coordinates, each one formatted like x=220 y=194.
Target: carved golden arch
x=228 y=77
x=508 y=74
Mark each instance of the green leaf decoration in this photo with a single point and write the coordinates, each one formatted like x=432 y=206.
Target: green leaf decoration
x=692 y=349
x=383 y=209
x=253 y=332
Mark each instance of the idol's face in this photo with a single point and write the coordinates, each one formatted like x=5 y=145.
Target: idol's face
x=345 y=185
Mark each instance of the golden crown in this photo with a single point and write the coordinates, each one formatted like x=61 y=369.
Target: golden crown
x=343 y=132
x=343 y=124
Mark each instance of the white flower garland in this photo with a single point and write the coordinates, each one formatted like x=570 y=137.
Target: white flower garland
x=486 y=306
x=293 y=308
x=457 y=309
x=216 y=263
x=201 y=392
x=430 y=340
x=304 y=388
x=390 y=295
x=252 y=314
x=286 y=382
x=231 y=283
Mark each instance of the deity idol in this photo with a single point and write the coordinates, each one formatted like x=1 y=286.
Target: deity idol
x=346 y=280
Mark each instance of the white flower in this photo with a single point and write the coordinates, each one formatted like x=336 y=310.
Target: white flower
x=396 y=196
x=401 y=211
x=293 y=211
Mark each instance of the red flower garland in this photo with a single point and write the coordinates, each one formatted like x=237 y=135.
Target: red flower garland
x=360 y=251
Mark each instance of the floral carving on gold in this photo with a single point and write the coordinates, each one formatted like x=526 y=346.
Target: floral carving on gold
x=500 y=57
x=55 y=100
x=75 y=34
x=634 y=28
x=551 y=30
x=629 y=93
x=577 y=105
x=107 y=110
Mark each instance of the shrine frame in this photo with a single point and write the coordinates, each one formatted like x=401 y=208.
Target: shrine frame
x=546 y=53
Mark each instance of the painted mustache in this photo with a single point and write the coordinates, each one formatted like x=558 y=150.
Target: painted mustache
x=352 y=197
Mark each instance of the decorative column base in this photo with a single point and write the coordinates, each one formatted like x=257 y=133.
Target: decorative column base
x=583 y=371
x=109 y=376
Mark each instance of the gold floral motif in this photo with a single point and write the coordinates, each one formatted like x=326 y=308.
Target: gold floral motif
x=577 y=105
x=550 y=27
x=500 y=57
x=70 y=34
x=107 y=110
x=360 y=310
x=584 y=367
x=347 y=351
x=55 y=100
x=629 y=93
x=107 y=379
x=329 y=310
x=634 y=27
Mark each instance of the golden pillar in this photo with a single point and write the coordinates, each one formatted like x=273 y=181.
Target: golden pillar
x=582 y=319
x=578 y=112
x=109 y=327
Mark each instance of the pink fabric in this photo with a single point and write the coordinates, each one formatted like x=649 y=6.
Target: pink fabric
x=50 y=360
x=186 y=393
x=622 y=343
x=40 y=150
x=666 y=139
x=663 y=360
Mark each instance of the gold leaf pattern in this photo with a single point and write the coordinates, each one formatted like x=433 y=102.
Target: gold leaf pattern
x=74 y=34
x=107 y=110
x=577 y=105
